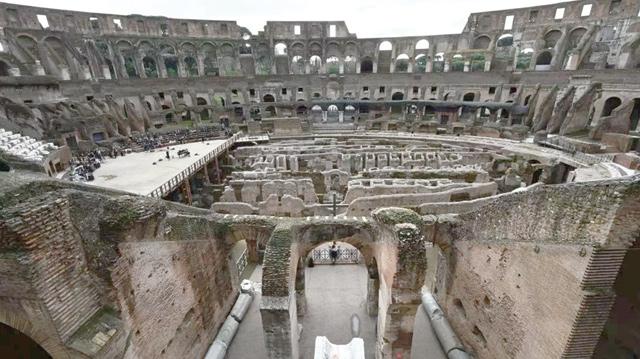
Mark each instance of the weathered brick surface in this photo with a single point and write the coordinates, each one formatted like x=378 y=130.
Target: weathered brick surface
x=55 y=259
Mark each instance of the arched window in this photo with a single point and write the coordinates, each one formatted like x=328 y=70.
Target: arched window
x=481 y=43
x=505 y=40
x=385 y=46
x=4 y=69
x=315 y=63
x=457 y=63
x=397 y=96
x=477 y=62
x=350 y=64
x=171 y=64
x=366 y=66
x=575 y=36
x=421 y=63
x=191 y=66
x=422 y=44
x=544 y=59
x=297 y=65
x=280 y=49
x=524 y=59
x=333 y=65
x=150 y=69
x=469 y=97
x=268 y=98
x=402 y=63
x=551 y=39
x=438 y=62
x=271 y=111
x=130 y=66
x=332 y=108
x=609 y=105
x=211 y=67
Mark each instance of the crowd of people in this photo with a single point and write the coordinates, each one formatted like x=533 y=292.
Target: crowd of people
x=82 y=166
x=150 y=141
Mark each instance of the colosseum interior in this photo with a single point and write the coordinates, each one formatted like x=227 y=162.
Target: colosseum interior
x=177 y=188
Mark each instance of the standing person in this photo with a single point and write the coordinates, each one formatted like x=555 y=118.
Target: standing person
x=167 y=155
x=333 y=253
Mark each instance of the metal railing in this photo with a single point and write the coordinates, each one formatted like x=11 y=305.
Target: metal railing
x=241 y=262
x=169 y=186
x=345 y=256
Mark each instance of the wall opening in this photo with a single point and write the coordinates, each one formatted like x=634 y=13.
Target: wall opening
x=366 y=66
x=336 y=291
x=609 y=105
x=15 y=344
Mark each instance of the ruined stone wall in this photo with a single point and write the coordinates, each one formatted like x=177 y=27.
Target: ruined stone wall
x=515 y=300
x=66 y=255
x=537 y=265
x=364 y=205
x=52 y=256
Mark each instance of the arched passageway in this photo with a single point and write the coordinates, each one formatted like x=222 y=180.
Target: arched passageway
x=16 y=345
x=336 y=287
x=396 y=237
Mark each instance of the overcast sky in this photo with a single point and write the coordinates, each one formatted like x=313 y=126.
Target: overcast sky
x=365 y=18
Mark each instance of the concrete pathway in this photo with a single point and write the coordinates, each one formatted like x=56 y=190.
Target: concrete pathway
x=333 y=294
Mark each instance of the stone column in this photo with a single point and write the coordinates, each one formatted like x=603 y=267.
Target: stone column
x=301 y=301
x=373 y=287
x=186 y=191
x=216 y=164
x=280 y=326
x=205 y=173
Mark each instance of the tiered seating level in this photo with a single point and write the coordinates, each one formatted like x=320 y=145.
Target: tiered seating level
x=25 y=147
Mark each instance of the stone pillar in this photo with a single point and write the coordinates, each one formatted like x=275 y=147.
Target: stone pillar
x=38 y=69
x=301 y=301
x=162 y=68
x=572 y=62
x=205 y=173
x=140 y=64
x=559 y=49
x=200 y=61
x=106 y=73
x=186 y=191
x=447 y=64
x=324 y=116
x=467 y=66
x=397 y=309
x=340 y=116
x=373 y=287
x=182 y=69
x=252 y=250
x=280 y=326
x=217 y=168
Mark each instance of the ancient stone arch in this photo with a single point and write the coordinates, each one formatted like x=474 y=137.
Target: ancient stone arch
x=392 y=242
x=48 y=341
